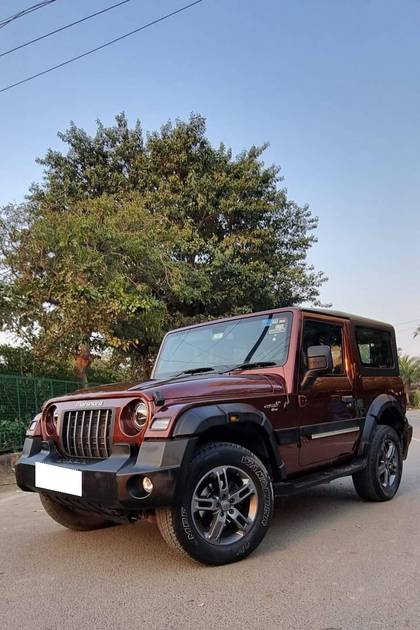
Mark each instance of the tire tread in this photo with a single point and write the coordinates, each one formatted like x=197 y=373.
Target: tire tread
x=365 y=482
x=77 y=521
x=165 y=516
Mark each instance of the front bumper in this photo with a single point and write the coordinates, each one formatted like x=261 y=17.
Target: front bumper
x=115 y=482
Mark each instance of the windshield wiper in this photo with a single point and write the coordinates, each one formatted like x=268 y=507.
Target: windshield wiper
x=250 y=366
x=240 y=366
x=198 y=370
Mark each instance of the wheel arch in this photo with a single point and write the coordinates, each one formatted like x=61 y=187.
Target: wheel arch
x=386 y=410
x=240 y=423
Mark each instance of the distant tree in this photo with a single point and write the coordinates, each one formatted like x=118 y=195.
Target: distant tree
x=16 y=360
x=22 y=361
x=409 y=371
x=127 y=236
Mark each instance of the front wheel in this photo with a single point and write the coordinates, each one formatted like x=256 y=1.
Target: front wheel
x=77 y=520
x=380 y=479
x=226 y=507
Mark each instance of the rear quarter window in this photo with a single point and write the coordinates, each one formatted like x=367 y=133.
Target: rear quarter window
x=375 y=348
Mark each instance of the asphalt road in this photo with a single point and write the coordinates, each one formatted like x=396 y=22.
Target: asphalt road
x=329 y=562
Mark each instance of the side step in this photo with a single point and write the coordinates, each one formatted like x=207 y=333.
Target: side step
x=287 y=488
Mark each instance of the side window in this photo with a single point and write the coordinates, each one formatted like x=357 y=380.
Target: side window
x=375 y=347
x=317 y=333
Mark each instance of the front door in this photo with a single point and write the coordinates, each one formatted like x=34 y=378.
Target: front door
x=329 y=426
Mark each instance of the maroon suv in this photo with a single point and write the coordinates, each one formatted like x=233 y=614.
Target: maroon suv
x=237 y=411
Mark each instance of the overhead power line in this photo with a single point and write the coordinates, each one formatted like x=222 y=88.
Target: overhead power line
x=97 y=48
x=63 y=28
x=410 y=321
x=24 y=12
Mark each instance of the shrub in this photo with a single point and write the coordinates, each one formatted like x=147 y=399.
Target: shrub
x=415 y=399
x=12 y=435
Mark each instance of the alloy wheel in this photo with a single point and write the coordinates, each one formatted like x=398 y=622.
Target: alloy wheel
x=224 y=505
x=388 y=462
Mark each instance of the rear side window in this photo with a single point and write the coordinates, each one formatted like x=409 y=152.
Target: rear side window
x=375 y=348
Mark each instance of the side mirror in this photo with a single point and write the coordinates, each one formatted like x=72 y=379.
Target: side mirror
x=319 y=361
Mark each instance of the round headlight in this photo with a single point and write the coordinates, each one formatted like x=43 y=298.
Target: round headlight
x=51 y=420
x=140 y=415
x=134 y=417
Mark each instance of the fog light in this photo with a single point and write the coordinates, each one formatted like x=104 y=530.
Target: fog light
x=147 y=485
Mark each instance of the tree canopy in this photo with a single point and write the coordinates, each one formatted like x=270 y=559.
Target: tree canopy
x=409 y=369
x=131 y=234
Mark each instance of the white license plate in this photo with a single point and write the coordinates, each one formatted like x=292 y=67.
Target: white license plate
x=58 y=479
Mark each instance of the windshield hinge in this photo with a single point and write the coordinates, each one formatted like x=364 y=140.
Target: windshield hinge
x=159 y=398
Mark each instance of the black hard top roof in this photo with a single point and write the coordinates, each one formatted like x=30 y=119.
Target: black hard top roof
x=356 y=319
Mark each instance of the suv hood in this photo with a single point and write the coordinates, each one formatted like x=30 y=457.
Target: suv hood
x=203 y=386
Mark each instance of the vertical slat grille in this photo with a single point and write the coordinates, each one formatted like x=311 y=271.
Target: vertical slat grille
x=87 y=433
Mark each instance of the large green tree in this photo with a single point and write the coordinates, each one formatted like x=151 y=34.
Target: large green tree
x=128 y=235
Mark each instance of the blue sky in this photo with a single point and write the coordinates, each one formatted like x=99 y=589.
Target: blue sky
x=333 y=85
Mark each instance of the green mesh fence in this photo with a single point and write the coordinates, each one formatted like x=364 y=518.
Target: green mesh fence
x=20 y=399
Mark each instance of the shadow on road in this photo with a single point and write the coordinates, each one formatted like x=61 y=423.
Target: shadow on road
x=294 y=518
x=328 y=507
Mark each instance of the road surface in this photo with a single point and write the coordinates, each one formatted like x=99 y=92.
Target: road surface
x=329 y=562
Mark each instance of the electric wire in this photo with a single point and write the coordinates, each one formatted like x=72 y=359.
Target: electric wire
x=24 y=12
x=63 y=28
x=102 y=46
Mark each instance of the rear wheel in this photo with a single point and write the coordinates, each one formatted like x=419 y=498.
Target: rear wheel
x=78 y=520
x=226 y=507
x=380 y=480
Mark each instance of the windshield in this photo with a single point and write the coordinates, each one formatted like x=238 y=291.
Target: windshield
x=222 y=345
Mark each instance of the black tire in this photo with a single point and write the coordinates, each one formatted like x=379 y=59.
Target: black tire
x=72 y=519
x=373 y=483
x=245 y=483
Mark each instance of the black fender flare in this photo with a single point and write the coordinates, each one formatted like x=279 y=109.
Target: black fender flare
x=376 y=409
x=196 y=420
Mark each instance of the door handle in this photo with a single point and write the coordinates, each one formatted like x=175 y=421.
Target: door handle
x=348 y=400
x=302 y=400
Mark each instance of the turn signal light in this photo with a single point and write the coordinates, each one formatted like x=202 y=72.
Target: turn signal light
x=160 y=424
x=34 y=428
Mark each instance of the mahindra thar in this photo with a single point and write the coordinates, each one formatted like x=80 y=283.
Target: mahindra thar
x=237 y=412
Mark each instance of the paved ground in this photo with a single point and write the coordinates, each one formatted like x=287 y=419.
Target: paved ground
x=329 y=562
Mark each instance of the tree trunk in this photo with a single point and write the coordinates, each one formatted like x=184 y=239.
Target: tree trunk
x=82 y=361
x=407 y=387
